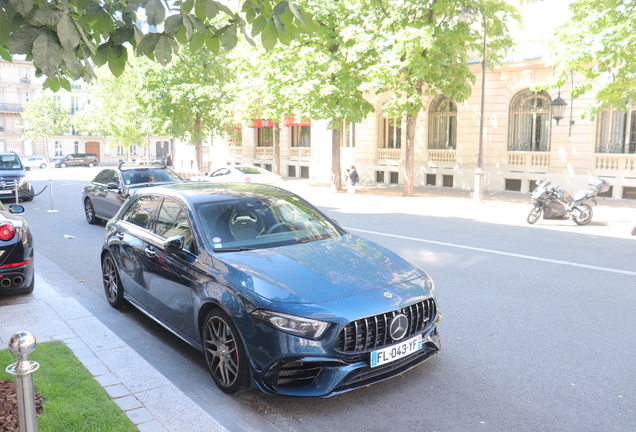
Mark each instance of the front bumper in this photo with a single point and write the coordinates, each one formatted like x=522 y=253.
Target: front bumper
x=316 y=376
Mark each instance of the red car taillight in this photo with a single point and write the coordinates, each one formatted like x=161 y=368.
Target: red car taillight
x=7 y=231
x=247 y=179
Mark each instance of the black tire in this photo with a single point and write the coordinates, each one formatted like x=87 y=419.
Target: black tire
x=30 y=196
x=534 y=215
x=112 y=284
x=634 y=231
x=224 y=353
x=43 y=166
x=582 y=214
x=89 y=212
x=91 y=164
x=63 y=165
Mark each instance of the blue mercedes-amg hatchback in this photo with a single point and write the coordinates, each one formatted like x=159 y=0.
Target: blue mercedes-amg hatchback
x=274 y=293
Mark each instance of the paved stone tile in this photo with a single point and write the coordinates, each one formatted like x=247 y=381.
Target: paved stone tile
x=140 y=415
x=67 y=337
x=96 y=335
x=16 y=316
x=77 y=346
x=37 y=329
x=107 y=380
x=132 y=370
x=90 y=361
x=128 y=402
x=98 y=370
x=177 y=412
x=43 y=290
x=43 y=314
x=153 y=426
x=68 y=307
x=116 y=391
x=83 y=353
x=22 y=304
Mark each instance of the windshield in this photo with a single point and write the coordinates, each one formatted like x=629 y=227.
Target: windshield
x=10 y=162
x=249 y=170
x=148 y=175
x=257 y=223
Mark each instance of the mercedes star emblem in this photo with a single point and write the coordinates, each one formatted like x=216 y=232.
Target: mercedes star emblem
x=388 y=295
x=399 y=326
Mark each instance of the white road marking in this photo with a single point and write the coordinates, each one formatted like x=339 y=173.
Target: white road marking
x=529 y=257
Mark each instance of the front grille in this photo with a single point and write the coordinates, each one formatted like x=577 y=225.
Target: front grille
x=372 y=332
x=297 y=374
x=8 y=184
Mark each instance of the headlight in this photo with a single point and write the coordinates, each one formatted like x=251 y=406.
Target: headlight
x=23 y=180
x=303 y=327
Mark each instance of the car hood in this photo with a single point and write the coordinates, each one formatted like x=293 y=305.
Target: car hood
x=316 y=272
x=11 y=174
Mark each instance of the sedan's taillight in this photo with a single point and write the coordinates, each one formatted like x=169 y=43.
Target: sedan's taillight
x=7 y=231
x=247 y=179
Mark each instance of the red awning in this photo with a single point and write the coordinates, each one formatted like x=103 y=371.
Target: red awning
x=292 y=121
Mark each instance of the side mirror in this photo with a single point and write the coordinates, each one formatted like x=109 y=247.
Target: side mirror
x=173 y=244
x=336 y=222
x=112 y=185
x=16 y=209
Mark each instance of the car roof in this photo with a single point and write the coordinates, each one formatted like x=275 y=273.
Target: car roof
x=198 y=192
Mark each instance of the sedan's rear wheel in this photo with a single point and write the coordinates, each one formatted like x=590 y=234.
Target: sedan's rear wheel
x=89 y=211
x=534 y=215
x=112 y=284
x=43 y=166
x=63 y=165
x=224 y=353
x=91 y=164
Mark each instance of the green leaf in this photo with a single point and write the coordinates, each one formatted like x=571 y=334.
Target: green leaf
x=197 y=41
x=187 y=23
x=147 y=44
x=123 y=34
x=213 y=44
x=102 y=54
x=52 y=83
x=187 y=6
x=47 y=54
x=66 y=85
x=47 y=15
x=22 y=6
x=103 y=23
x=280 y=9
x=258 y=25
x=199 y=9
x=22 y=40
x=296 y=11
x=173 y=24
x=250 y=15
x=117 y=62
x=67 y=33
x=181 y=35
x=155 y=12
x=5 y=54
x=229 y=38
x=211 y=9
x=72 y=63
x=163 y=51
x=5 y=27
x=269 y=36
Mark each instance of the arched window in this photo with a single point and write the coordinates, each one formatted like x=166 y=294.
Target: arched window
x=529 y=123
x=442 y=124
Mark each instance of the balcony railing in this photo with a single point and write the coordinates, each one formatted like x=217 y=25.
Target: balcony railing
x=10 y=107
x=300 y=153
x=441 y=156
x=264 y=153
x=389 y=157
x=612 y=165
x=529 y=160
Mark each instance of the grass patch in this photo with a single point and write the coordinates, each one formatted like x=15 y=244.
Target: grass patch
x=74 y=401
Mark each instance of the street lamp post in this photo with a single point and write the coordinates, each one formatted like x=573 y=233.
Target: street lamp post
x=468 y=15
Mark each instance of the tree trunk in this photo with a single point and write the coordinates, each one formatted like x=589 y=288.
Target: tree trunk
x=199 y=144
x=336 y=168
x=276 y=149
x=46 y=148
x=409 y=157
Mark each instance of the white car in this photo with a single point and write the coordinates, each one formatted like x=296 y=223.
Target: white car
x=241 y=174
x=35 y=162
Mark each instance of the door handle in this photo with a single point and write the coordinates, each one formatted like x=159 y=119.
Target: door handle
x=150 y=252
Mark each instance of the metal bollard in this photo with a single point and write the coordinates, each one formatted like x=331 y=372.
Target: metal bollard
x=17 y=199
x=51 y=194
x=21 y=345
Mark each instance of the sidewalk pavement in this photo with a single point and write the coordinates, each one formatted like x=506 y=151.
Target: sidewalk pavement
x=147 y=397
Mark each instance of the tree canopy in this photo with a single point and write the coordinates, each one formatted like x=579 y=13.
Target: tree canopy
x=598 y=42
x=44 y=117
x=65 y=38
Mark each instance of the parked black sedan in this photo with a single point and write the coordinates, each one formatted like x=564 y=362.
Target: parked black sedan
x=104 y=195
x=274 y=293
x=16 y=252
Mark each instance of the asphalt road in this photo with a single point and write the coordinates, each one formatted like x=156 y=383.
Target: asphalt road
x=537 y=328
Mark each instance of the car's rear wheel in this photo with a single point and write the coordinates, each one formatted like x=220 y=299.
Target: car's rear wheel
x=89 y=211
x=224 y=353
x=534 y=215
x=91 y=164
x=43 y=166
x=63 y=165
x=112 y=284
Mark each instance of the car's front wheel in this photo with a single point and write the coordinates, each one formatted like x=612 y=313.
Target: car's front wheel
x=91 y=164
x=30 y=195
x=224 y=353
x=43 y=166
x=63 y=165
x=112 y=284
x=89 y=211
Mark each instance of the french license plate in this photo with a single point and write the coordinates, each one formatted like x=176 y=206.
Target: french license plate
x=396 y=352
x=6 y=191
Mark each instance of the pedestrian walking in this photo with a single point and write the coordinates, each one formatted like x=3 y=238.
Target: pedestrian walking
x=168 y=161
x=352 y=178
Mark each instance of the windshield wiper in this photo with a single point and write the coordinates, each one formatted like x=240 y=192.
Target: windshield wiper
x=234 y=249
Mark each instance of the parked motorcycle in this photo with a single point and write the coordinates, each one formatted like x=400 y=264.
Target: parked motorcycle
x=556 y=203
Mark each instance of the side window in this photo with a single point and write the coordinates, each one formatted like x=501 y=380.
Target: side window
x=172 y=221
x=141 y=211
x=103 y=177
x=112 y=177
